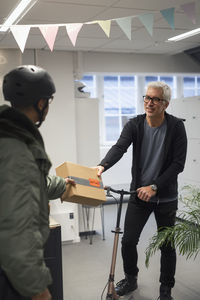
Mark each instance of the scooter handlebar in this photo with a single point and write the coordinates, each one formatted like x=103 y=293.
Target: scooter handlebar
x=109 y=189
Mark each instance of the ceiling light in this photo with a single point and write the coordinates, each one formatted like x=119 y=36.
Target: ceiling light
x=17 y=14
x=184 y=35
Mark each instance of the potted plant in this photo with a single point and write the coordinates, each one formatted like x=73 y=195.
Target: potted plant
x=185 y=235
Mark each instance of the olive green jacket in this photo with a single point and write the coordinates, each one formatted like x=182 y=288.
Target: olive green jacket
x=25 y=189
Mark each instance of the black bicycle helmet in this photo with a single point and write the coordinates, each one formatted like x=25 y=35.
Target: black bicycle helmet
x=26 y=85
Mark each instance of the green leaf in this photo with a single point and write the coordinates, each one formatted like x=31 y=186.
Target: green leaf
x=185 y=235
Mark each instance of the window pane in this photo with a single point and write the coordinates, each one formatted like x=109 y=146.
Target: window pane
x=88 y=80
x=111 y=102
x=128 y=110
x=92 y=93
x=198 y=92
x=127 y=81
x=127 y=97
x=188 y=93
x=125 y=119
x=112 y=128
x=168 y=80
x=150 y=78
x=189 y=82
x=173 y=94
x=110 y=81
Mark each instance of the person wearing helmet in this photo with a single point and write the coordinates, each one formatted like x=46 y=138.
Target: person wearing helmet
x=29 y=89
x=25 y=185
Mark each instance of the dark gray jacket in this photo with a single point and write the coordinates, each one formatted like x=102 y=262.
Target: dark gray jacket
x=175 y=148
x=24 y=192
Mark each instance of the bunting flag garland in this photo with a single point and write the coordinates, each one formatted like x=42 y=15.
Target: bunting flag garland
x=49 y=31
x=73 y=30
x=125 y=25
x=168 y=14
x=105 y=25
x=20 y=33
x=147 y=21
x=189 y=10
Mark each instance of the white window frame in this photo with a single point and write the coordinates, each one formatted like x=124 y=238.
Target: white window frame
x=140 y=91
x=174 y=89
x=94 y=88
x=195 y=84
x=103 y=140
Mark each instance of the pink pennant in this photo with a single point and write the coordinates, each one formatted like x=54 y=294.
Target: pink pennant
x=73 y=30
x=189 y=10
x=20 y=33
x=49 y=33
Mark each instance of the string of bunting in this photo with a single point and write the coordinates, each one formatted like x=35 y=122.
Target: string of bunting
x=49 y=31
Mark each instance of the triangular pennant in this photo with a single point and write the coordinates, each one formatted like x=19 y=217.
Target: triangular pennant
x=105 y=25
x=125 y=25
x=147 y=21
x=49 y=33
x=20 y=33
x=168 y=14
x=189 y=10
x=73 y=30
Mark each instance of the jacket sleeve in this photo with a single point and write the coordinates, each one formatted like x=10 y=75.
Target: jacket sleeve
x=21 y=250
x=56 y=186
x=118 y=150
x=178 y=150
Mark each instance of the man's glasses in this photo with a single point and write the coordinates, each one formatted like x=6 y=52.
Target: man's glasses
x=155 y=100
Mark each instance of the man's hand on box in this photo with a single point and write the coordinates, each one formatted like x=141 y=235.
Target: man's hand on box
x=99 y=169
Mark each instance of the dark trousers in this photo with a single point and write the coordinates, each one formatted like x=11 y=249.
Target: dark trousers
x=137 y=215
x=7 y=292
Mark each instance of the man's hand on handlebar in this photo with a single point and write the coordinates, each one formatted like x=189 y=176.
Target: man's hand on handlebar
x=145 y=193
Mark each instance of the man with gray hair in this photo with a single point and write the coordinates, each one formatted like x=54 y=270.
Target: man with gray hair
x=159 y=152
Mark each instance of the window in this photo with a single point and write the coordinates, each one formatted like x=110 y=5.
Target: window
x=169 y=80
x=120 y=97
x=90 y=84
x=119 y=104
x=150 y=78
x=191 y=86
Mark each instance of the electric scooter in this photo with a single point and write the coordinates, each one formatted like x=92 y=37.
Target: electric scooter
x=111 y=293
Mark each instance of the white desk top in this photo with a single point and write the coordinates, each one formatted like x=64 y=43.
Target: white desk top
x=53 y=223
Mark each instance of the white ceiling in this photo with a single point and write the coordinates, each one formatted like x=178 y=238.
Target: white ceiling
x=93 y=38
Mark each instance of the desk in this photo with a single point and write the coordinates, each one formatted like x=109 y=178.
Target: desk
x=53 y=259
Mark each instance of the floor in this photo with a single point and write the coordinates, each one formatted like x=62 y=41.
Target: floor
x=86 y=267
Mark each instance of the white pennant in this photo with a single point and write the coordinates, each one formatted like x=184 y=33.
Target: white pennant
x=49 y=33
x=73 y=30
x=20 y=33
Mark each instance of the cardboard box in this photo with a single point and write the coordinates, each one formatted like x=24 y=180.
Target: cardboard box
x=89 y=188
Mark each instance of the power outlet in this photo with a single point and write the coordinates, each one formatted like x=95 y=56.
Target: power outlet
x=71 y=215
